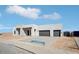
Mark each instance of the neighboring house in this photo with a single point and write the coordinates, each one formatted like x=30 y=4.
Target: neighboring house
x=52 y=30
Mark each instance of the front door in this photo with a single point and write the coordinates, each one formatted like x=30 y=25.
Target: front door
x=27 y=31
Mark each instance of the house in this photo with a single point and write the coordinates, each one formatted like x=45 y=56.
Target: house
x=75 y=33
x=50 y=30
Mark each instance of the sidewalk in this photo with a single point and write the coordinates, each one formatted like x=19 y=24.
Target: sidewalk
x=32 y=47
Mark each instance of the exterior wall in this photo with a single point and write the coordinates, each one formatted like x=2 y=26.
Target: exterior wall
x=35 y=29
x=50 y=27
x=35 y=33
x=14 y=29
x=25 y=26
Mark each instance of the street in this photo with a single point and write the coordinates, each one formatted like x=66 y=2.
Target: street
x=11 y=49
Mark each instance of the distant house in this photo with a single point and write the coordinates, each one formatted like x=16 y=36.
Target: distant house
x=71 y=34
x=52 y=30
x=75 y=33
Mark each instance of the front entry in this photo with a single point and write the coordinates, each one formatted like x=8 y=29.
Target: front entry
x=27 y=31
x=17 y=30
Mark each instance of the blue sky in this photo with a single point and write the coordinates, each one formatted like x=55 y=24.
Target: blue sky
x=10 y=16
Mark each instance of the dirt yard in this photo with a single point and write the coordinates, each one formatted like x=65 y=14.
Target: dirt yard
x=66 y=43
x=9 y=36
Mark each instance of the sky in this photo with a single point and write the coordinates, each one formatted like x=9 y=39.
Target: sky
x=12 y=15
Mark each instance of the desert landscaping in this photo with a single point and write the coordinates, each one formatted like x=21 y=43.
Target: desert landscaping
x=56 y=45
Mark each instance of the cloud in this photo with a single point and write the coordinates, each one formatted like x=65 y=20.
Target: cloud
x=32 y=13
x=54 y=16
x=4 y=27
x=26 y=12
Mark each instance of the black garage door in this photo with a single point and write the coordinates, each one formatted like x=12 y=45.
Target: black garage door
x=44 y=32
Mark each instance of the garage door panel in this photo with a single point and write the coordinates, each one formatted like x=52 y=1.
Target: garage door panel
x=44 y=32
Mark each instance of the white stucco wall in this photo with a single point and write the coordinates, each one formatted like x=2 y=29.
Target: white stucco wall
x=50 y=27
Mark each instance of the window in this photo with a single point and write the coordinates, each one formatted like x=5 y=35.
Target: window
x=44 y=32
x=57 y=33
x=18 y=30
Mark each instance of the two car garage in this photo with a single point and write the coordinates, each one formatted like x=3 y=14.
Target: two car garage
x=56 y=33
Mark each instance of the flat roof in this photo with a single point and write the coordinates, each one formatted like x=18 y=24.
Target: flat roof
x=45 y=25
